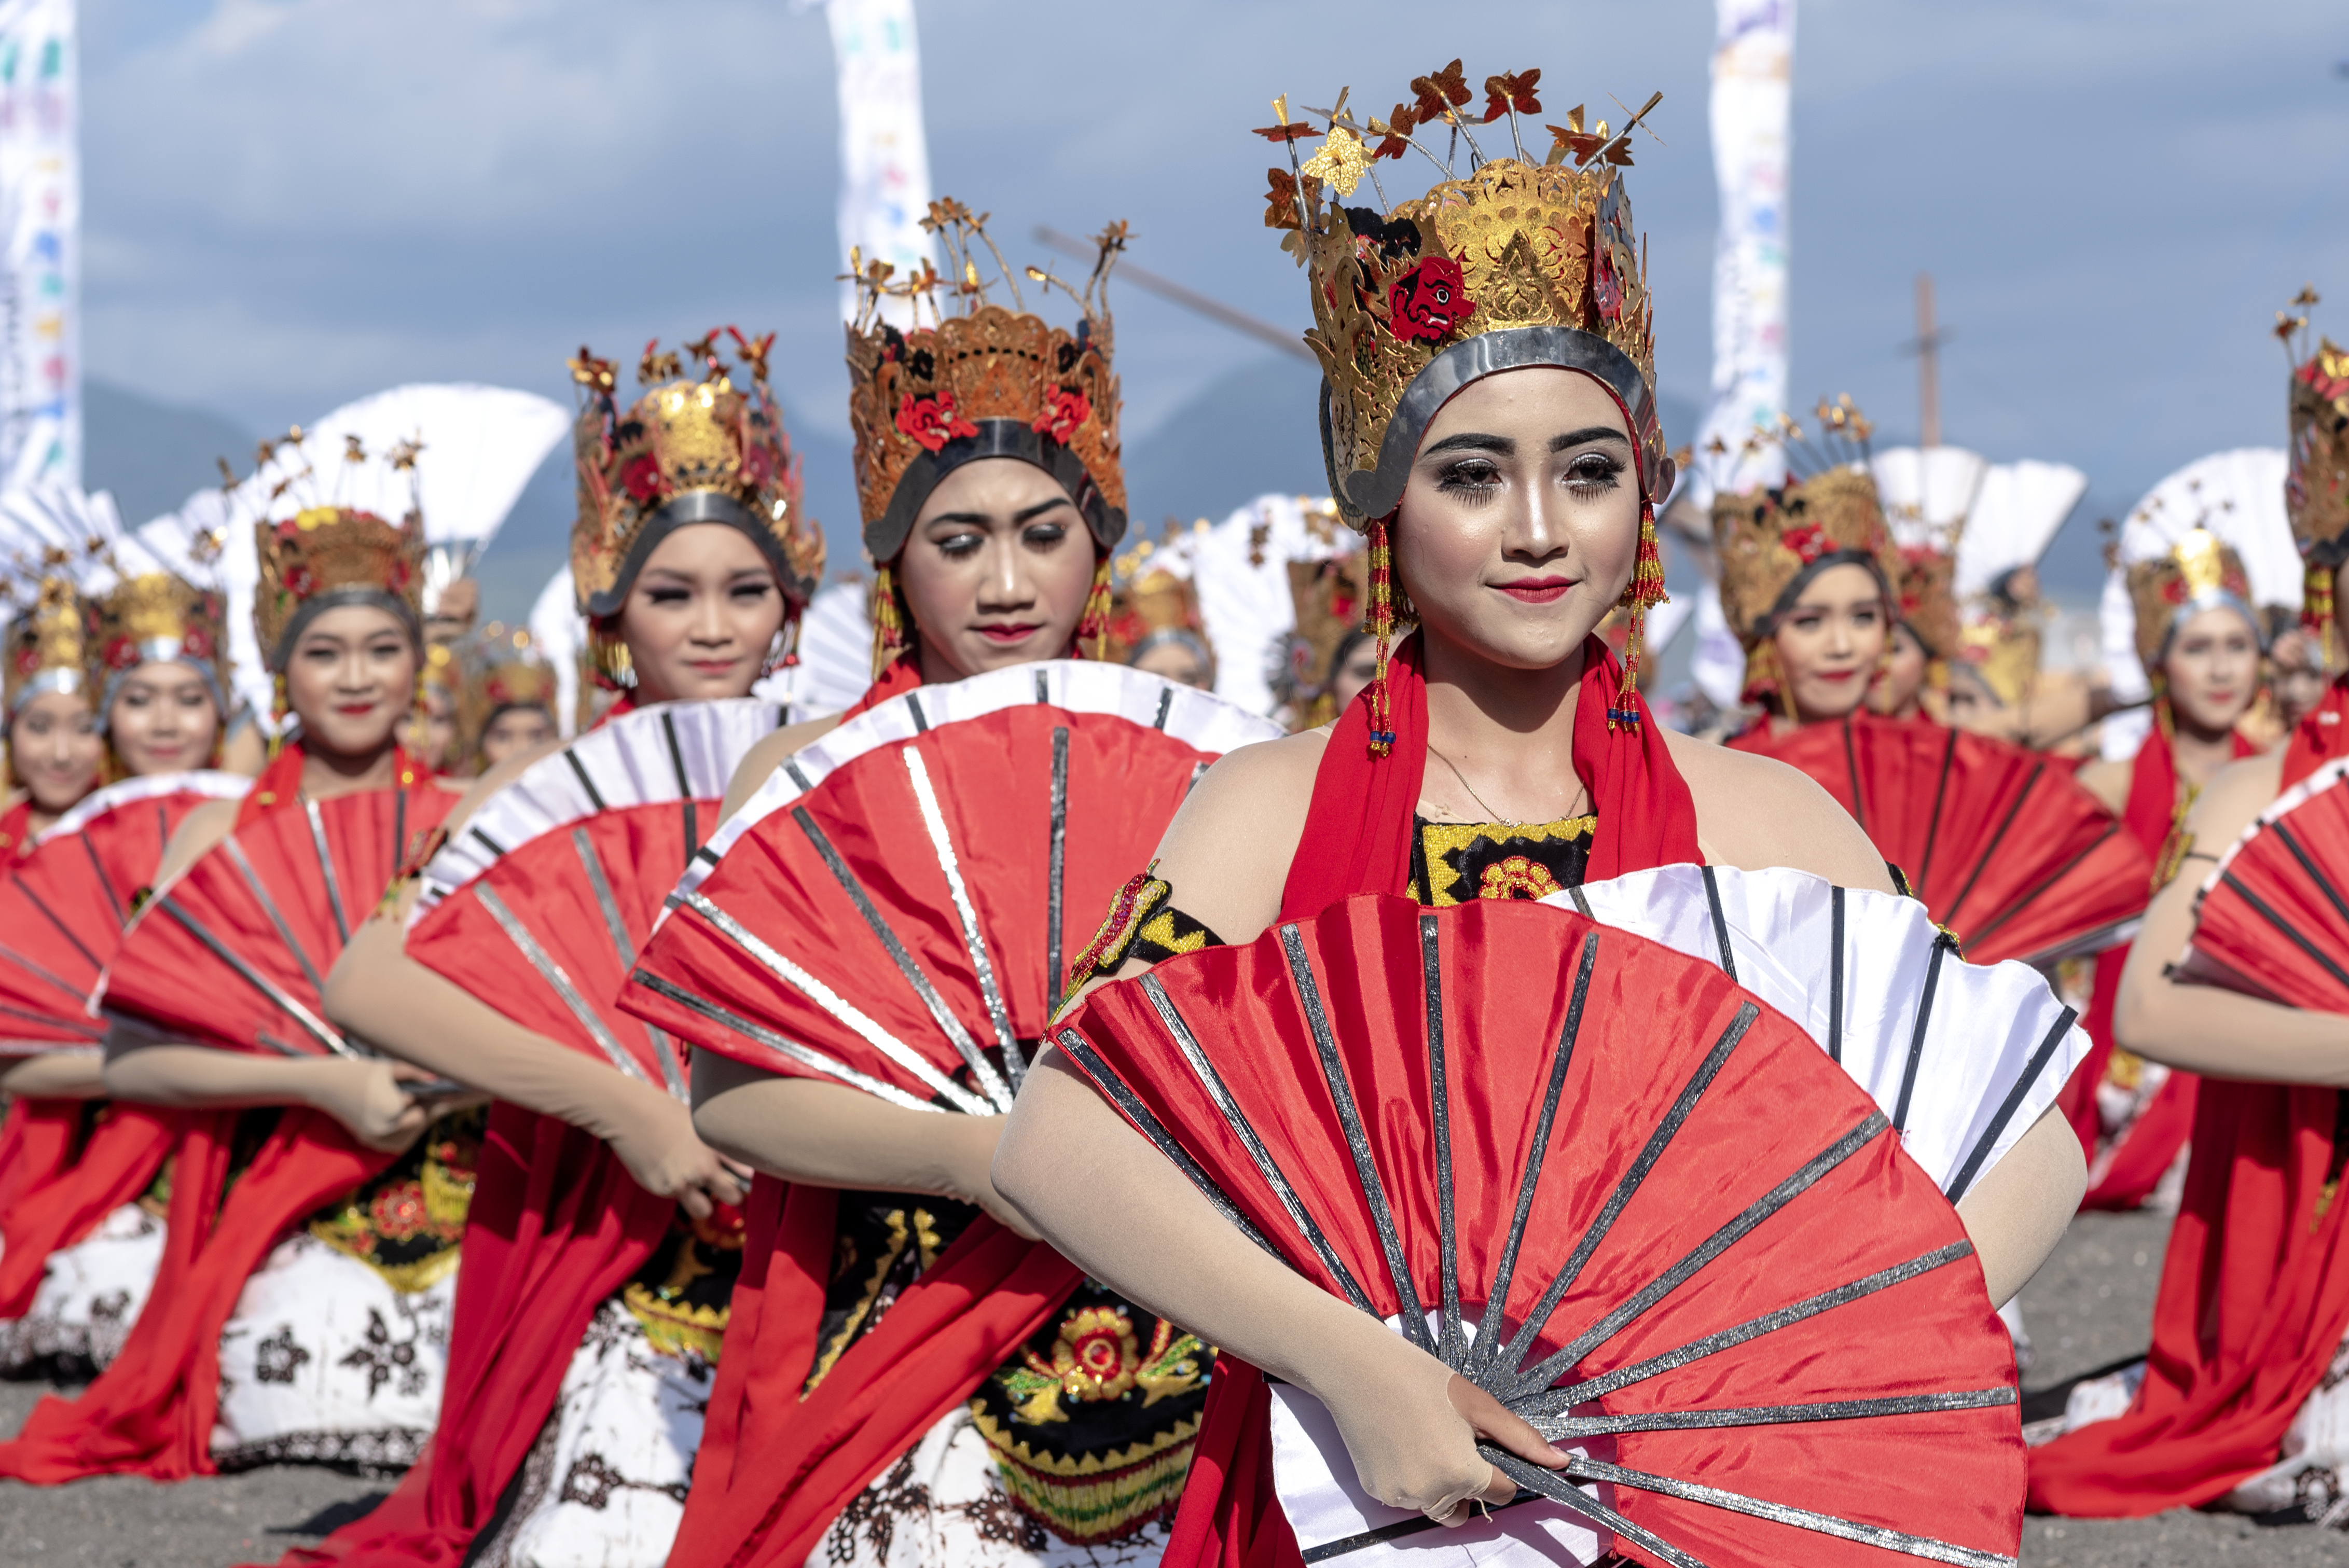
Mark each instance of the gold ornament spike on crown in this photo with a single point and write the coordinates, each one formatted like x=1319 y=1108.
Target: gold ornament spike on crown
x=696 y=448
x=325 y=557
x=981 y=382
x=1520 y=263
x=156 y=616
x=2199 y=573
x=47 y=644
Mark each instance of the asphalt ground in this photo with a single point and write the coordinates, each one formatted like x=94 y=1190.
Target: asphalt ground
x=2090 y=1307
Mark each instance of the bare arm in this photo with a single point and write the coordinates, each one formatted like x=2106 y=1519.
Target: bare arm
x=2016 y=1214
x=365 y=1097
x=54 y=1075
x=830 y=1135
x=2202 y=1029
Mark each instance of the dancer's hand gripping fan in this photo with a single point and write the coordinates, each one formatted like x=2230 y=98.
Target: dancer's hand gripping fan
x=896 y=907
x=64 y=906
x=1750 y=1320
x=539 y=900
x=2005 y=848
x=233 y=952
x=2272 y=919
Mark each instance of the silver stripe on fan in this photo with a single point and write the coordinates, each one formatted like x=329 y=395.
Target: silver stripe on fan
x=934 y=821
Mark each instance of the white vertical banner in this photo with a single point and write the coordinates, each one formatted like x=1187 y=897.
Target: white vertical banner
x=40 y=217
x=884 y=159
x=1752 y=78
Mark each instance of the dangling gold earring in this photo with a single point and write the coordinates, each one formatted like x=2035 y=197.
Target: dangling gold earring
x=1645 y=588
x=889 y=621
x=278 y=708
x=1094 y=627
x=1379 y=624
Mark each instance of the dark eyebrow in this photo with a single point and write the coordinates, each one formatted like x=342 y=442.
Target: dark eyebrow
x=1580 y=437
x=1019 y=519
x=1473 y=441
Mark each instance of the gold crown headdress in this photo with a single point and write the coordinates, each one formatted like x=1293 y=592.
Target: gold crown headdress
x=980 y=382
x=2316 y=486
x=503 y=671
x=696 y=447
x=1772 y=543
x=1152 y=605
x=2200 y=572
x=1520 y=265
x=47 y=644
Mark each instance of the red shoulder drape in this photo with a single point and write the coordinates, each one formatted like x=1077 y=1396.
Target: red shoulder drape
x=2254 y=1296
x=1358 y=839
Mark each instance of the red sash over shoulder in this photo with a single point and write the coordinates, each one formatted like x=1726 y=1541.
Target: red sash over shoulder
x=152 y=1412
x=1358 y=839
x=2254 y=1297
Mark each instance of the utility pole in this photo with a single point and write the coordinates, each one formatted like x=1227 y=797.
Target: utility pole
x=1929 y=365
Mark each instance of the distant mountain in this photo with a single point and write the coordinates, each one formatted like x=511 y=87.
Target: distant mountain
x=152 y=455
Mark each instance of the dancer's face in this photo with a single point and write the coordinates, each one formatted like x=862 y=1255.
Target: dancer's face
x=997 y=570
x=1903 y=677
x=55 y=749
x=351 y=679
x=512 y=732
x=702 y=616
x=2298 y=681
x=2213 y=668
x=1831 y=641
x=1521 y=521
x=162 y=719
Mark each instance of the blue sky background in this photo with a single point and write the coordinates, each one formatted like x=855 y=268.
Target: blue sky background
x=292 y=202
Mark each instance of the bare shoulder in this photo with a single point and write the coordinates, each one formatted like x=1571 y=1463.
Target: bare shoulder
x=197 y=831
x=763 y=759
x=2109 y=782
x=2233 y=800
x=1753 y=812
x=472 y=792
x=1227 y=851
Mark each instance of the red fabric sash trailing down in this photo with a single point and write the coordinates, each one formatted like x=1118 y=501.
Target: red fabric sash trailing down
x=2254 y=1297
x=1358 y=839
x=60 y=1185
x=17 y=828
x=557 y=1224
x=2152 y=1144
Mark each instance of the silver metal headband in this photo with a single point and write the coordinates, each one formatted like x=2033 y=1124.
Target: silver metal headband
x=693 y=507
x=161 y=651
x=885 y=535
x=66 y=681
x=336 y=599
x=1378 y=491
x=2211 y=599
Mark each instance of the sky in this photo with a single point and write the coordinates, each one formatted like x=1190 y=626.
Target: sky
x=289 y=203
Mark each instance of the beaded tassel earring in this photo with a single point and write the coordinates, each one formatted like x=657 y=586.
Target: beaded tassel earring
x=1380 y=623
x=278 y=708
x=1094 y=627
x=1645 y=588
x=889 y=621
x=2316 y=599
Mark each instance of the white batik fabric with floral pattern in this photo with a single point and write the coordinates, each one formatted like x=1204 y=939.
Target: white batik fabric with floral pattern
x=325 y=1362
x=89 y=1295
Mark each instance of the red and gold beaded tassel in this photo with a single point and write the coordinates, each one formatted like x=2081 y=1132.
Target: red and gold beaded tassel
x=2316 y=602
x=1094 y=627
x=1379 y=624
x=888 y=622
x=1645 y=588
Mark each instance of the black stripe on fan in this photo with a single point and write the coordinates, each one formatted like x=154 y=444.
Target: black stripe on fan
x=398 y=831
x=2308 y=864
x=92 y=959
x=94 y=1031
x=1165 y=706
x=579 y=772
x=235 y=851
x=104 y=886
x=1568 y=1428
x=497 y=850
x=1081 y=1052
x=1990 y=850
x=1852 y=766
x=692 y=817
x=797 y=775
x=1198 y=771
x=1488 y=1329
x=623 y=949
x=1542 y=1374
x=1550 y=1484
x=1551 y=1401
x=1236 y=1120
x=1054 y=896
x=1720 y=923
x=2010 y=1105
x=1835 y=975
x=1346 y=1545
x=1942 y=942
x=333 y=881
x=1450 y=1346
x=1933 y=823
x=1043 y=690
x=914 y=706
x=259 y=982
x=1874 y=1535
x=78 y=993
x=2260 y=907
x=1982 y=932
x=943 y=1015
x=807 y=1056
x=1658 y=1140
x=1357 y=1140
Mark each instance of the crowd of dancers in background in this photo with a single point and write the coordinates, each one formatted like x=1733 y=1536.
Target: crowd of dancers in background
x=748 y=1071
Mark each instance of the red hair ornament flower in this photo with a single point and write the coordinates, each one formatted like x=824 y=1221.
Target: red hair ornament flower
x=933 y=421
x=1808 y=543
x=1064 y=410
x=1425 y=304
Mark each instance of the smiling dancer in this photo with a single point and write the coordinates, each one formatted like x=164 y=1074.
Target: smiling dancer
x=1488 y=419
x=54 y=750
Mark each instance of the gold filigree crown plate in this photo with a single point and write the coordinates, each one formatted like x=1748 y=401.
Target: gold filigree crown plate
x=2198 y=573
x=694 y=448
x=325 y=557
x=1772 y=543
x=48 y=644
x=2316 y=486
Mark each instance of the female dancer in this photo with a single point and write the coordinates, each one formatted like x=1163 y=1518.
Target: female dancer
x=82 y=1230
x=597 y=1276
x=54 y=747
x=909 y=1377
x=1491 y=423
x=508 y=707
x=2199 y=639
x=326 y=1345
x=2239 y=1403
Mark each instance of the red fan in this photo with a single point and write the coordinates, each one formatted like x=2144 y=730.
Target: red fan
x=896 y=907
x=65 y=904
x=2005 y=848
x=560 y=874
x=234 y=952
x=1720 y=1272
x=2272 y=921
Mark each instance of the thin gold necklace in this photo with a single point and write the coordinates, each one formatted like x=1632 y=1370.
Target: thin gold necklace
x=1490 y=815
